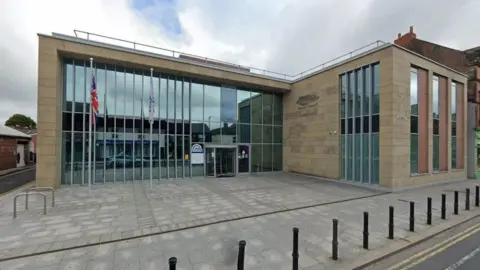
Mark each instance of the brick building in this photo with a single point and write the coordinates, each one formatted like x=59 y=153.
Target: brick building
x=467 y=62
x=14 y=148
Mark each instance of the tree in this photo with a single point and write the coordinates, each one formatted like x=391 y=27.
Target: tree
x=21 y=120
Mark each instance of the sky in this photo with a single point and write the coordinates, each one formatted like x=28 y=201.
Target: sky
x=287 y=36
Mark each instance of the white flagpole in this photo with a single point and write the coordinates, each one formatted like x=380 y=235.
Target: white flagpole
x=90 y=134
x=152 y=107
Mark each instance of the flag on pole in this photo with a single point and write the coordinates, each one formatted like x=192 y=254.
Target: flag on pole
x=94 y=101
x=151 y=104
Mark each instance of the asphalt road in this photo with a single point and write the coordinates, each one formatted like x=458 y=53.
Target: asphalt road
x=464 y=255
x=17 y=179
x=456 y=249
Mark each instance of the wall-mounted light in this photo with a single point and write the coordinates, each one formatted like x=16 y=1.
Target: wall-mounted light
x=333 y=132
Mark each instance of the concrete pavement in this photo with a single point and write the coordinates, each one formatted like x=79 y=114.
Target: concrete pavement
x=269 y=237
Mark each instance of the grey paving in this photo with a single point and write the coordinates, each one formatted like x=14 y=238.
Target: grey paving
x=124 y=210
x=269 y=238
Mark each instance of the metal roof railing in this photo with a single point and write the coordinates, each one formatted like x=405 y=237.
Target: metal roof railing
x=210 y=61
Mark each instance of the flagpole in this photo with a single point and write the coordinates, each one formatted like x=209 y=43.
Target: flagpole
x=152 y=107
x=90 y=137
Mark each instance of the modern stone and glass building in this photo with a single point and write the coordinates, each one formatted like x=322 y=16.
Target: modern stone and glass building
x=381 y=115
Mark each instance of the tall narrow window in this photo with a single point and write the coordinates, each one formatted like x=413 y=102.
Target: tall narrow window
x=359 y=110
x=413 y=121
x=460 y=125
x=443 y=123
x=436 y=125
x=453 y=100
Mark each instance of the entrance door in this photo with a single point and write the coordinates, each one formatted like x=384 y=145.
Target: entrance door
x=20 y=155
x=225 y=162
x=220 y=161
x=210 y=161
x=243 y=158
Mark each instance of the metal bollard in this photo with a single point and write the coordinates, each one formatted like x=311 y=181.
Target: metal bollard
x=391 y=226
x=365 y=230
x=455 y=203
x=412 y=216
x=429 y=211
x=241 y=255
x=444 y=207
x=295 y=249
x=172 y=262
x=335 y=240
x=467 y=199
x=477 y=196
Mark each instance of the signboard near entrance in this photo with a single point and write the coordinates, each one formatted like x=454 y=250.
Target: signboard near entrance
x=198 y=155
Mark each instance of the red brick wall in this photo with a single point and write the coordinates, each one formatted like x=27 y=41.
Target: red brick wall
x=8 y=147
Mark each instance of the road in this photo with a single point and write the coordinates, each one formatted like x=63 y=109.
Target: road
x=16 y=179
x=455 y=249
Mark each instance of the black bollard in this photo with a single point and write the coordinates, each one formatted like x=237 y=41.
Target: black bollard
x=365 y=230
x=455 y=203
x=172 y=262
x=390 y=222
x=477 y=196
x=429 y=211
x=335 y=240
x=412 y=216
x=444 y=207
x=295 y=249
x=467 y=199
x=241 y=254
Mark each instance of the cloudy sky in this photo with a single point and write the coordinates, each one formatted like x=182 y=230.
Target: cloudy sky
x=282 y=35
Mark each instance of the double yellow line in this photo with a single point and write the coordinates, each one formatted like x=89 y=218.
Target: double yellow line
x=438 y=248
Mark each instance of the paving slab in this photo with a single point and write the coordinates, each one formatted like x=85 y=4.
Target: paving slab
x=269 y=237
x=116 y=211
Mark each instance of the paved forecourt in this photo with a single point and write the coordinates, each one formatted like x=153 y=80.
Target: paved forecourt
x=269 y=237
x=124 y=210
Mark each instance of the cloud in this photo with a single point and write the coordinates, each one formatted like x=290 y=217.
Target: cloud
x=280 y=35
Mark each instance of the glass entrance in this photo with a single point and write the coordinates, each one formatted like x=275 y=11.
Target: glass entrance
x=220 y=161
x=243 y=158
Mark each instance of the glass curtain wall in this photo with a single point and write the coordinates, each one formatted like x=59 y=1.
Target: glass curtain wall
x=187 y=112
x=359 y=110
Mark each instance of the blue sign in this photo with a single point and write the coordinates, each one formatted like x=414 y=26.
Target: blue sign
x=197 y=148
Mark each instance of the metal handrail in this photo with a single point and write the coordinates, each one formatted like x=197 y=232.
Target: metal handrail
x=289 y=77
x=40 y=189
x=28 y=194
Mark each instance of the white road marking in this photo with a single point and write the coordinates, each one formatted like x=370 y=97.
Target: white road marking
x=464 y=259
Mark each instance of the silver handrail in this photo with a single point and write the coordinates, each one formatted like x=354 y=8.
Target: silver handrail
x=40 y=189
x=28 y=194
x=135 y=45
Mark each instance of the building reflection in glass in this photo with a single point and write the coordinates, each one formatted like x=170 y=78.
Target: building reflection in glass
x=187 y=112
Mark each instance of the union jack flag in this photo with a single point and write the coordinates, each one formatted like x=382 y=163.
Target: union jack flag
x=94 y=100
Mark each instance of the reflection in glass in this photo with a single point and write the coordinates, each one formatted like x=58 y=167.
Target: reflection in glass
x=243 y=99
x=256 y=111
x=228 y=104
x=69 y=94
x=267 y=118
x=186 y=112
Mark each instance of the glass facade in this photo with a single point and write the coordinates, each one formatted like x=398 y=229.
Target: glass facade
x=188 y=112
x=359 y=113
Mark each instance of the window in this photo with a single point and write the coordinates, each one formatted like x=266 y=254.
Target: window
x=413 y=121
x=453 y=100
x=436 y=125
